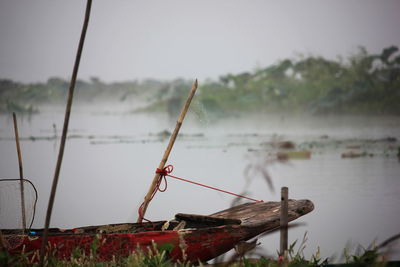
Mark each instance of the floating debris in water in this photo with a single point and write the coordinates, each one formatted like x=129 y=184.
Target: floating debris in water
x=163 y=134
x=352 y=154
x=286 y=145
x=353 y=147
x=294 y=155
x=166 y=133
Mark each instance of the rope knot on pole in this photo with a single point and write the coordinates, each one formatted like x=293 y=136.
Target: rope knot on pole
x=165 y=171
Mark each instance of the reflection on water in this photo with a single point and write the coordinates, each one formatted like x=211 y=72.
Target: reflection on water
x=110 y=159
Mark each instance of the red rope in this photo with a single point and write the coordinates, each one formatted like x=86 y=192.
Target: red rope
x=168 y=169
x=166 y=172
x=157 y=188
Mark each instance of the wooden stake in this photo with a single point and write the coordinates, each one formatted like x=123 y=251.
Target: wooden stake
x=284 y=220
x=3 y=242
x=64 y=132
x=164 y=159
x=21 y=172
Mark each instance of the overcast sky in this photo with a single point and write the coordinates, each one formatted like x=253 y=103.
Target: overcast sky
x=166 y=39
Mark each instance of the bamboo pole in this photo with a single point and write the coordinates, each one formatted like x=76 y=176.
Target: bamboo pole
x=64 y=131
x=21 y=172
x=284 y=220
x=164 y=159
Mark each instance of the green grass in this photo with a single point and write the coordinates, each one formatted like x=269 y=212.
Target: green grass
x=159 y=258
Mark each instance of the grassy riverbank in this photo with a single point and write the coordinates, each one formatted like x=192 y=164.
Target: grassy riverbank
x=159 y=258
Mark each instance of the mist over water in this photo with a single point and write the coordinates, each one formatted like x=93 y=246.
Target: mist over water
x=111 y=155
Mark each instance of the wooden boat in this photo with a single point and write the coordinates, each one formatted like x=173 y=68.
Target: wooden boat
x=189 y=237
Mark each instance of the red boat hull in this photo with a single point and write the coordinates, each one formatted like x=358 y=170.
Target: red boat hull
x=187 y=245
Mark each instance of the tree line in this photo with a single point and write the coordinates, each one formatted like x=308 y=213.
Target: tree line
x=363 y=83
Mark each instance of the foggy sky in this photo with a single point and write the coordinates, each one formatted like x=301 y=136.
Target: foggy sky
x=166 y=39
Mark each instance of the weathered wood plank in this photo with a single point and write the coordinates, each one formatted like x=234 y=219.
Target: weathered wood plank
x=265 y=213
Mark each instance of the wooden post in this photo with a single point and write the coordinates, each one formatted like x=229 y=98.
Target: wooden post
x=3 y=242
x=64 y=132
x=164 y=159
x=284 y=220
x=21 y=172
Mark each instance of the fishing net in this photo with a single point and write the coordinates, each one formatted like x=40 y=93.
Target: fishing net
x=12 y=205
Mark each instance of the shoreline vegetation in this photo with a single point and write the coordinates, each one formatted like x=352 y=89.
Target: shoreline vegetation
x=362 y=84
x=159 y=257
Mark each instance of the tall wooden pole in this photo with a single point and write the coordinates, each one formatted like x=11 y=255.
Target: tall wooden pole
x=164 y=159
x=64 y=131
x=284 y=220
x=21 y=172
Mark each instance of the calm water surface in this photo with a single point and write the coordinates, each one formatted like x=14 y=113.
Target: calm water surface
x=110 y=159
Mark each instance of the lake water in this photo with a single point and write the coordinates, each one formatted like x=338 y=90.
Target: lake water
x=111 y=155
